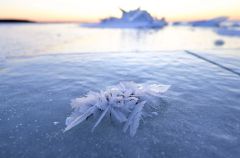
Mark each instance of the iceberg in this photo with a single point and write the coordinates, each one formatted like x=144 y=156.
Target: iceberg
x=127 y=103
x=215 y=22
x=231 y=23
x=228 y=32
x=236 y=24
x=130 y=19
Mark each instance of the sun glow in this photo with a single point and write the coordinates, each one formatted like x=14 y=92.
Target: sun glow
x=93 y=10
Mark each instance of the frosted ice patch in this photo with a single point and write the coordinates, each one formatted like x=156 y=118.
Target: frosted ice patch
x=127 y=102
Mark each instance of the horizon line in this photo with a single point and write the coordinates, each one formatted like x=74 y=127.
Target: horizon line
x=99 y=19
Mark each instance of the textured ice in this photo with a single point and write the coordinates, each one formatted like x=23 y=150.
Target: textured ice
x=127 y=103
x=132 y=19
x=199 y=116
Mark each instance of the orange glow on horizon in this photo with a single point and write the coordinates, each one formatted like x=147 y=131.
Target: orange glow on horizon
x=93 y=10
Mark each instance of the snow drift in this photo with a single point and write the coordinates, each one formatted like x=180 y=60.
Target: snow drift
x=127 y=102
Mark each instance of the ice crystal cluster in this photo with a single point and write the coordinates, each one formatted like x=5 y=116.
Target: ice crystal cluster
x=127 y=102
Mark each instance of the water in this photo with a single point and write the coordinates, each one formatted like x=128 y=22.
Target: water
x=45 y=39
x=43 y=67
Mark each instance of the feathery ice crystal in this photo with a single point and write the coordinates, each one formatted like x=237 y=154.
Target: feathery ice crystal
x=127 y=102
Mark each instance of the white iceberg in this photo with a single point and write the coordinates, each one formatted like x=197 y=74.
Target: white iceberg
x=231 y=23
x=132 y=19
x=215 y=22
x=127 y=103
x=236 y=24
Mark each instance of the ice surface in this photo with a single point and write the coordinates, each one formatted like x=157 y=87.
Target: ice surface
x=132 y=19
x=125 y=102
x=2 y=59
x=228 y=59
x=199 y=116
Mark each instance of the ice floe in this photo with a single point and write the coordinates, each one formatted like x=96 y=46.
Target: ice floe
x=228 y=31
x=127 y=103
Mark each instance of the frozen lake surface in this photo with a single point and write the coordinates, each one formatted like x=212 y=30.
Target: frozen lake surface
x=43 y=67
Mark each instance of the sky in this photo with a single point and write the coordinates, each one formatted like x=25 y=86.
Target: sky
x=94 y=10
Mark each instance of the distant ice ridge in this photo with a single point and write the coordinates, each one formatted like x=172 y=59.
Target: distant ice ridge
x=132 y=19
x=127 y=103
x=231 y=23
x=215 y=22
